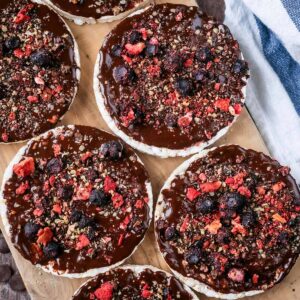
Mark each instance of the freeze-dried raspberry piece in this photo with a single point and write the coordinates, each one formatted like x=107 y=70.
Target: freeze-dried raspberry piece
x=135 y=49
x=105 y=292
x=45 y=235
x=25 y=167
x=82 y=242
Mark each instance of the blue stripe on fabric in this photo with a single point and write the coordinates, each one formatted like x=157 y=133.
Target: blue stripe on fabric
x=287 y=69
x=293 y=9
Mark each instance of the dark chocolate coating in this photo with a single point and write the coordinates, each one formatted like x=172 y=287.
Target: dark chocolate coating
x=250 y=240
x=128 y=285
x=92 y=8
x=113 y=230
x=171 y=94
x=28 y=106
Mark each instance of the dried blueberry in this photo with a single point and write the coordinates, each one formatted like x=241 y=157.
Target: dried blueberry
x=66 y=192
x=116 y=50
x=240 y=66
x=151 y=50
x=135 y=37
x=131 y=75
x=31 y=230
x=12 y=43
x=91 y=233
x=197 y=22
x=204 y=55
x=123 y=75
x=166 y=293
x=112 y=150
x=99 y=198
x=51 y=250
x=221 y=79
x=249 y=219
x=120 y=74
x=170 y=233
x=283 y=237
x=235 y=201
x=85 y=222
x=171 y=120
x=193 y=256
x=184 y=87
x=75 y=216
x=139 y=116
x=104 y=149
x=54 y=166
x=200 y=76
x=206 y=206
x=296 y=201
x=42 y=58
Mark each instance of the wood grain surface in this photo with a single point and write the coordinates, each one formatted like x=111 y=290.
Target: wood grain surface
x=43 y=286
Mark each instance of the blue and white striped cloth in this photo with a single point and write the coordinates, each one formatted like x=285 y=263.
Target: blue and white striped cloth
x=269 y=34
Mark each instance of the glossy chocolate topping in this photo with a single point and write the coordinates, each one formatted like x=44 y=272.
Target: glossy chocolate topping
x=127 y=285
x=171 y=76
x=95 y=8
x=77 y=200
x=37 y=69
x=231 y=221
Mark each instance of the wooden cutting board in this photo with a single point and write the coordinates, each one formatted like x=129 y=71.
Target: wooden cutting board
x=41 y=285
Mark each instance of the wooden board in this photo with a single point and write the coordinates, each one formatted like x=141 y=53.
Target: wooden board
x=84 y=111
